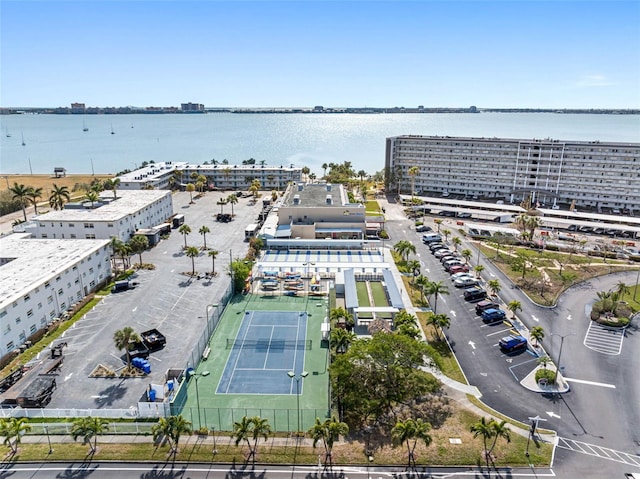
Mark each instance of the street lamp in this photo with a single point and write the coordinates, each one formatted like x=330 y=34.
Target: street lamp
x=46 y=430
x=293 y=375
x=635 y=291
x=197 y=376
x=562 y=336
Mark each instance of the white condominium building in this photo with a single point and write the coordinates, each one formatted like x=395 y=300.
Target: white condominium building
x=121 y=217
x=551 y=172
x=42 y=279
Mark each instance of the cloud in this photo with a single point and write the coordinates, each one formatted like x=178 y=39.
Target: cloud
x=590 y=81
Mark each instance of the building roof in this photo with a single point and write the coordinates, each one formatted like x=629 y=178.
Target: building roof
x=395 y=298
x=127 y=203
x=152 y=171
x=314 y=195
x=26 y=263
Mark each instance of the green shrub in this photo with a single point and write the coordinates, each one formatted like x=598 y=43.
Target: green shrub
x=547 y=374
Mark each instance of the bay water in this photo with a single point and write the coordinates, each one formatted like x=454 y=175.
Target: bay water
x=278 y=139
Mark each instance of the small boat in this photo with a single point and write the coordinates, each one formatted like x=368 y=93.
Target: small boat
x=6 y=132
x=23 y=143
x=112 y=132
x=84 y=126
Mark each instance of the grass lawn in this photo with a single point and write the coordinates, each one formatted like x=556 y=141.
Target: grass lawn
x=373 y=207
x=378 y=293
x=363 y=294
x=46 y=182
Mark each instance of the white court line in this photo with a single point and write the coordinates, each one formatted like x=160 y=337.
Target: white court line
x=591 y=383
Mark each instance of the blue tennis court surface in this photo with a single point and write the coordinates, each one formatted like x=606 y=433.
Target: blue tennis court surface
x=268 y=345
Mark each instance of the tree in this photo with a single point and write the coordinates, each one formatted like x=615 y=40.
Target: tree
x=92 y=197
x=328 y=432
x=203 y=231
x=446 y=234
x=478 y=269
x=137 y=245
x=622 y=290
x=239 y=270
x=484 y=429
x=422 y=282
x=413 y=172
x=500 y=430
x=439 y=322
x=162 y=430
x=232 y=200
x=410 y=432
x=251 y=428
x=213 y=254
x=340 y=339
x=184 y=230
x=438 y=223
x=89 y=428
x=341 y=315
x=436 y=288
x=456 y=242
x=21 y=194
x=403 y=248
x=261 y=428
x=112 y=184
x=514 y=306
x=12 y=429
x=305 y=171
x=466 y=254
x=544 y=360
x=191 y=188
x=414 y=268
x=494 y=286
x=59 y=196
x=324 y=169
x=172 y=428
x=520 y=262
x=34 y=194
x=221 y=202
x=192 y=252
x=125 y=338
x=537 y=333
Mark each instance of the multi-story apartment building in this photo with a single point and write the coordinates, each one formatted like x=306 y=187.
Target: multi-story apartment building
x=40 y=279
x=221 y=176
x=598 y=175
x=121 y=217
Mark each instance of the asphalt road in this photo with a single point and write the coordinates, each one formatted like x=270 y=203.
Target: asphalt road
x=601 y=409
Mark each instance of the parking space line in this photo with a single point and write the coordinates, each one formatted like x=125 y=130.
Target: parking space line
x=502 y=331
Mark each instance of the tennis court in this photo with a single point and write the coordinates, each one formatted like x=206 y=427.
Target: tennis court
x=267 y=346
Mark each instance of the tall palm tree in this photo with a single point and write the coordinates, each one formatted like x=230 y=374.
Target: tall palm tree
x=191 y=188
x=622 y=289
x=514 y=306
x=478 y=269
x=232 y=200
x=112 y=184
x=438 y=223
x=21 y=194
x=203 y=231
x=340 y=340
x=328 y=432
x=124 y=339
x=324 y=169
x=184 y=230
x=138 y=245
x=12 y=429
x=466 y=254
x=413 y=172
x=422 y=282
x=59 y=196
x=409 y=432
x=34 y=195
x=404 y=247
x=92 y=196
x=213 y=254
x=178 y=426
x=192 y=252
x=494 y=286
x=439 y=322
x=414 y=268
x=89 y=428
x=446 y=234
x=162 y=430
x=242 y=431
x=484 y=429
x=261 y=428
x=456 y=242
x=221 y=202
x=500 y=430
x=537 y=333
x=436 y=288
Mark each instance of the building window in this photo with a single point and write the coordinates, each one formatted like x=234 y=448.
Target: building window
x=10 y=346
x=88 y=225
x=33 y=328
x=50 y=299
x=72 y=225
x=60 y=292
x=90 y=236
x=23 y=337
x=39 y=305
x=29 y=313
x=3 y=314
x=26 y=298
x=18 y=320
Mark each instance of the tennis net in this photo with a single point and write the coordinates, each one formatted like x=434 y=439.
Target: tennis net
x=266 y=344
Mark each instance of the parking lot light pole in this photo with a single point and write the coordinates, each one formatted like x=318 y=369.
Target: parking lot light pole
x=562 y=336
x=298 y=378
x=46 y=430
x=198 y=376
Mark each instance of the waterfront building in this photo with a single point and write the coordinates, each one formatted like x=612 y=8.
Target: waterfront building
x=41 y=279
x=121 y=217
x=219 y=176
x=602 y=176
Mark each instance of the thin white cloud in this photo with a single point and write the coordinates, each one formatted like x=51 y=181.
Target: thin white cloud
x=591 y=81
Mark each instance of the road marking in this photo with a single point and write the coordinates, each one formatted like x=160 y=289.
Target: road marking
x=473 y=345
x=598 y=451
x=491 y=274
x=604 y=340
x=452 y=313
x=535 y=319
x=502 y=331
x=68 y=376
x=590 y=383
x=553 y=414
x=134 y=309
x=569 y=318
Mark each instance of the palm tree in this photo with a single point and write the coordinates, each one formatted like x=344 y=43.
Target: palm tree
x=221 y=202
x=89 y=428
x=544 y=360
x=21 y=194
x=328 y=432
x=478 y=269
x=92 y=196
x=340 y=340
x=439 y=322
x=339 y=315
x=191 y=188
x=456 y=242
x=184 y=230
x=494 y=286
x=537 y=333
x=213 y=254
x=312 y=177
x=112 y=184
x=242 y=431
x=436 y=288
x=414 y=268
x=261 y=428
x=413 y=172
x=137 y=245
x=203 y=231
x=178 y=426
x=324 y=169
x=404 y=247
x=34 y=194
x=484 y=429
x=500 y=430
x=446 y=234
x=410 y=432
x=622 y=289
x=438 y=223
x=162 y=430
x=422 y=282
x=514 y=306
x=192 y=252
x=232 y=200
x=124 y=339
x=12 y=429
x=201 y=181
x=59 y=196
x=466 y=254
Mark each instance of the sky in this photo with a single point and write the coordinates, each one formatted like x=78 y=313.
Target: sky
x=504 y=54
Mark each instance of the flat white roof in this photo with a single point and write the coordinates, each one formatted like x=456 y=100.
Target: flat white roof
x=127 y=203
x=29 y=262
x=152 y=171
x=584 y=216
x=452 y=203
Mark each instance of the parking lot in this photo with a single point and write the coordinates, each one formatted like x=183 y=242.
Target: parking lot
x=165 y=299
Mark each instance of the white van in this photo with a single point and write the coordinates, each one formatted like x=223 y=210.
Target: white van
x=431 y=237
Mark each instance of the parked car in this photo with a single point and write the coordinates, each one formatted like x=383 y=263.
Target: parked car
x=465 y=282
x=441 y=252
x=459 y=268
x=447 y=257
x=492 y=315
x=474 y=294
x=464 y=215
x=431 y=238
x=512 y=343
x=486 y=304
x=450 y=264
x=436 y=246
x=461 y=275
x=423 y=228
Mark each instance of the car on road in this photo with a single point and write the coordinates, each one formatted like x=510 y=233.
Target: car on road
x=465 y=282
x=513 y=342
x=423 y=228
x=492 y=315
x=486 y=304
x=461 y=268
